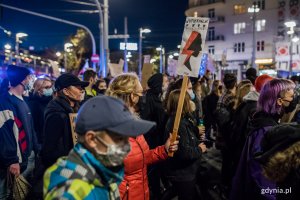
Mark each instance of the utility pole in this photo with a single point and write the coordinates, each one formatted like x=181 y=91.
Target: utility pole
x=101 y=42
x=125 y=50
x=106 y=45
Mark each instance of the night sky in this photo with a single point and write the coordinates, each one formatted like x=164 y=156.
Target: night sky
x=164 y=17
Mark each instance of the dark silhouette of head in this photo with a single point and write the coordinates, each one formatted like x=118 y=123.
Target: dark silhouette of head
x=192 y=48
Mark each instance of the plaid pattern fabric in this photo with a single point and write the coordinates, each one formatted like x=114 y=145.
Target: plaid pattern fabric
x=227 y=100
x=81 y=176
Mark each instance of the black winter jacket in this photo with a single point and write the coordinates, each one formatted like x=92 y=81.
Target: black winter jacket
x=153 y=110
x=37 y=105
x=185 y=163
x=58 y=136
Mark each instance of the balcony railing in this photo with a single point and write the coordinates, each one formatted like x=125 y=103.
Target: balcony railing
x=204 y=2
x=216 y=38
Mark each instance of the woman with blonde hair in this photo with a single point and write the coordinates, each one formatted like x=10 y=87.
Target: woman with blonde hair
x=243 y=88
x=38 y=100
x=135 y=183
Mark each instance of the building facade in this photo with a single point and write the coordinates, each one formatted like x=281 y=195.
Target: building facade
x=231 y=40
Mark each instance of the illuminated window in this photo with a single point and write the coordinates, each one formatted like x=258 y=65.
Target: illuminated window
x=239 y=9
x=261 y=25
x=239 y=28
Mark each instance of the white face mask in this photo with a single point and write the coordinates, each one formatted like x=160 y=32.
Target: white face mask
x=115 y=154
x=82 y=96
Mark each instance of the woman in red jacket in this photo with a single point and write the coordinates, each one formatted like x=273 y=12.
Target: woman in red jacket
x=135 y=184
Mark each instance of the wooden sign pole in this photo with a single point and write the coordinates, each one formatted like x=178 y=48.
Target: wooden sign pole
x=179 y=111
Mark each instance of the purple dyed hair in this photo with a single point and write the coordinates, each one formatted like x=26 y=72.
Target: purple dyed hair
x=271 y=91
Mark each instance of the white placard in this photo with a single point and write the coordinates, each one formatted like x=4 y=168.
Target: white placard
x=192 y=44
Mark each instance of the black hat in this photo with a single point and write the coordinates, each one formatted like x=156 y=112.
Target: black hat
x=103 y=113
x=277 y=139
x=251 y=74
x=16 y=74
x=67 y=80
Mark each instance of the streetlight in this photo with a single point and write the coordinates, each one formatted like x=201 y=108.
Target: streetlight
x=253 y=9
x=18 y=41
x=140 y=48
x=67 y=49
x=58 y=54
x=291 y=25
x=7 y=48
x=161 y=55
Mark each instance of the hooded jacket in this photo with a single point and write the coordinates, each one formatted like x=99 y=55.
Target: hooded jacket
x=81 y=176
x=280 y=160
x=242 y=115
x=153 y=110
x=57 y=129
x=249 y=180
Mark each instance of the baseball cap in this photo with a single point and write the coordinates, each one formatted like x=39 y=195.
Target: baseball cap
x=67 y=80
x=104 y=113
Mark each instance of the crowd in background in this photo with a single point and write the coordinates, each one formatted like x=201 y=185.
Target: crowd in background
x=241 y=119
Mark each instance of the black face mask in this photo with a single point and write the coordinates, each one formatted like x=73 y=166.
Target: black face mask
x=291 y=106
x=101 y=91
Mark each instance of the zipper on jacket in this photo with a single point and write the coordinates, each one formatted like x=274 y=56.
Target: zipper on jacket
x=127 y=192
x=143 y=166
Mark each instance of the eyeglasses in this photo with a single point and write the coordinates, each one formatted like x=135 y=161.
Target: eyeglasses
x=138 y=93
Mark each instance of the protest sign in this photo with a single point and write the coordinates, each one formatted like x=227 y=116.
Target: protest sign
x=116 y=68
x=189 y=61
x=147 y=72
x=73 y=117
x=192 y=44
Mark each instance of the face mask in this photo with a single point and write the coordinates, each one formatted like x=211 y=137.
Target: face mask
x=291 y=107
x=82 y=96
x=48 y=92
x=192 y=94
x=115 y=154
x=29 y=85
x=101 y=91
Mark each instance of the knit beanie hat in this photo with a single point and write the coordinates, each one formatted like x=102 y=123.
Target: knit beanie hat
x=16 y=74
x=261 y=80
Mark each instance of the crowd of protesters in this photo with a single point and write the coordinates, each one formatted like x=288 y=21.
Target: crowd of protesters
x=124 y=136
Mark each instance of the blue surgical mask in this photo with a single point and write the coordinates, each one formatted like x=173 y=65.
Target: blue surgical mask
x=48 y=92
x=192 y=94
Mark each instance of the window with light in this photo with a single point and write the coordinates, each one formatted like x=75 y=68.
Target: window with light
x=239 y=28
x=260 y=25
x=239 y=9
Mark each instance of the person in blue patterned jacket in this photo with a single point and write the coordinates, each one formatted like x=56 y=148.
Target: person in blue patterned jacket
x=94 y=168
